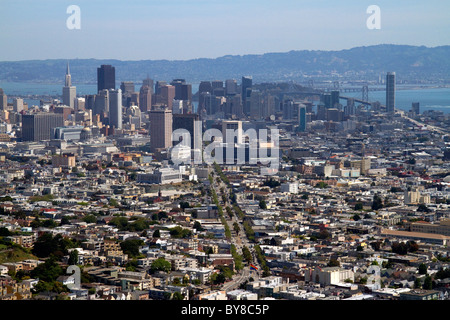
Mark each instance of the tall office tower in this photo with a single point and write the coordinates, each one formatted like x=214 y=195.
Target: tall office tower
x=186 y=92
x=256 y=105
x=390 y=92
x=177 y=83
x=160 y=129
x=334 y=114
x=3 y=100
x=89 y=103
x=288 y=110
x=17 y=104
x=233 y=107
x=246 y=87
x=147 y=82
x=327 y=101
x=205 y=86
x=39 y=126
x=335 y=94
x=167 y=94
x=188 y=122
x=321 y=111
x=349 y=109
x=183 y=92
x=416 y=108
x=204 y=89
x=80 y=104
x=231 y=87
x=236 y=127
x=145 y=98
x=101 y=102
x=301 y=118
x=106 y=77
x=69 y=92
x=268 y=108
x=159 y=85
x=217 y=84
x=127 y=87
x=115 y=108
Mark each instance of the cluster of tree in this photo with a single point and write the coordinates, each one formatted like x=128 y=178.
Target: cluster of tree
x=131 y=247
x=262 y=261
x=271 y=183
x=124 y=224
x=442 y=273
x=160 y=264
x=321 y=185
x=48 y=245
x=249 y=232
x=237 y=258
x=377 y=202
x=179 y=232
x=222 y=276
x=403 y=248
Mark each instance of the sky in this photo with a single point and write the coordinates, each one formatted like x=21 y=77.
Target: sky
x=190 y=29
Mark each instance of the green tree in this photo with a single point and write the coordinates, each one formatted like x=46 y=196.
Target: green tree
x=73 y=257
x=131 y=247
x=428 y=283
x=377 y=202
x=423 y=269
x=160 y=264
x=359 y=206
x=262 y=204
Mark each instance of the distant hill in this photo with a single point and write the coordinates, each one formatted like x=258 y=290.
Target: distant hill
x=410 y=63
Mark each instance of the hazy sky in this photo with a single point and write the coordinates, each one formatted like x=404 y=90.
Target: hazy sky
x=187 y=29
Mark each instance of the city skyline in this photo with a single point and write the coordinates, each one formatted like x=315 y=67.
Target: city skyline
x=182 y=30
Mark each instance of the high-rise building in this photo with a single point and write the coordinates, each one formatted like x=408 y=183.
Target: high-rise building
x=147 y=82
x=167 y=94
x=205 y=86
x=255 y=105
x=301 y=118
x=235 y=127
x=160 y=129
x=115 y=108
x=188 y=122
x=416 y=108
x=106 y=77
x=390 y=92
x=246 y=87
x=3 y=100
x=39 y=126
x=17 y=104
x=145 y=98
x=69 y=92
x=231 y=87
x=335 y=94
x=101 y=102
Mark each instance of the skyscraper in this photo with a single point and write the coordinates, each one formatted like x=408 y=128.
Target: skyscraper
x=390 y=92
x=106 y=77
x=115 y=108
x=160 y=129
x=145 y=98
x=246 y=87
x=187 y=121
x=39 y=126
x=3 y=100
x=69 y=91
x=416 y=108
x=301 y=118
x=230 y=87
